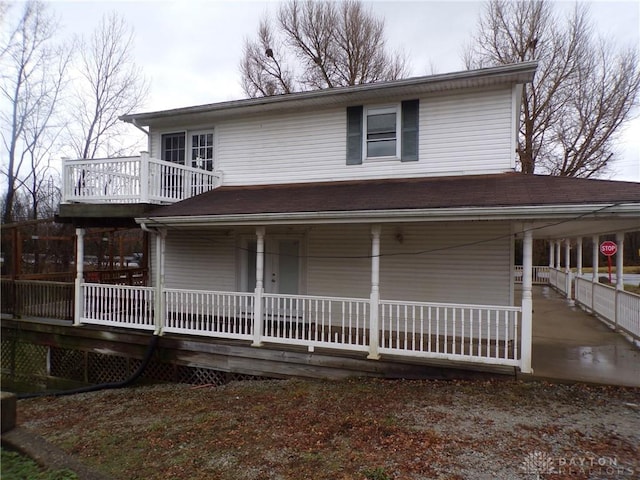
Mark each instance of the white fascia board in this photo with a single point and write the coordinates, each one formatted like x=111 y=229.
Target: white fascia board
x=547 y=212
x=501 y=74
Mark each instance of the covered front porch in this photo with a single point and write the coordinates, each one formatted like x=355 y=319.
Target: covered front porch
x=375 y=326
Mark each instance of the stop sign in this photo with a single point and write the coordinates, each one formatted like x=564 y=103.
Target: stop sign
x=608 y=248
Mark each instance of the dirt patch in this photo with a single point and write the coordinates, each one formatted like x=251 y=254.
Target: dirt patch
x=359 y=429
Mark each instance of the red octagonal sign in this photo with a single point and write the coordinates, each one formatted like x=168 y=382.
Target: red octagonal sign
x=608 y=248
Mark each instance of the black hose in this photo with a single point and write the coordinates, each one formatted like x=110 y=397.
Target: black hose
x=151 y=348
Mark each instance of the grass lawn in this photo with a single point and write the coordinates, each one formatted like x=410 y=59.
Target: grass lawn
x=15 y=466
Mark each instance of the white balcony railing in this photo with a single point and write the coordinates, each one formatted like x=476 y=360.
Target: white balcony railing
x=133 y=180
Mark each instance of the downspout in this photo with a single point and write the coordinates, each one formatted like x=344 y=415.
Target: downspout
x=135 y=124
x=160 y=236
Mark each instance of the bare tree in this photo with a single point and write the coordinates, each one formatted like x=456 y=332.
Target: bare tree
x=33 y=71
x=110 y=85
x=584 y=89
x=318 y=44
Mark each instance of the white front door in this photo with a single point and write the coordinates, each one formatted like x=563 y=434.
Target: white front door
x=282 y=265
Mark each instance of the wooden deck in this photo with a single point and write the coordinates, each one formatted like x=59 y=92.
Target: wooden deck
x=236 y=356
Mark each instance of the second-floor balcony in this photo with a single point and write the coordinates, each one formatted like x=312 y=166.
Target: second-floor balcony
x=135 y=180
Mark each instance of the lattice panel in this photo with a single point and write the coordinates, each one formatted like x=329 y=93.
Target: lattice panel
x=66 y=363
x=240 y=377
x=5 y=355
x=96 y=368
x=106 y=368
x=162 y=372
x=24 y=359
x=201 y=376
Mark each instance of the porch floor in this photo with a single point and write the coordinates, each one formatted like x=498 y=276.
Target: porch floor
x=572 y=345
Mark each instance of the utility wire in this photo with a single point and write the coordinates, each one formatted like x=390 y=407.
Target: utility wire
x=413 y=253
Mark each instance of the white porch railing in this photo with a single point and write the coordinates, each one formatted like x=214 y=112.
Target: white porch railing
x=558 y=279
x=214 y=314
x=540 y=274
x=118 y=305
x=465 y=333
x=618 y=308
x=478 y=333
x=316 y=321
x=133 y=180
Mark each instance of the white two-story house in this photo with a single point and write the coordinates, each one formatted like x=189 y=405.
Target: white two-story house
x=378 y=219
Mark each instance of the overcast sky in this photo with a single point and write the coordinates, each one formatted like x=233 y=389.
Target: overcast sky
x=190 y=50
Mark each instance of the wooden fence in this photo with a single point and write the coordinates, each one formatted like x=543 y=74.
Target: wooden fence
x=51 y=295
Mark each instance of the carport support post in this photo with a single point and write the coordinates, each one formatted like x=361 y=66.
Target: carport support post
x=567 y=267
x=259 y=291
x=527 y=300
x=620 y=261
x=374 y=298
x=78 y=300
x=594 y=276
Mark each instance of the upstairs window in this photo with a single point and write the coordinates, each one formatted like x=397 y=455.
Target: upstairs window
x=382 y=126
x=383 y=133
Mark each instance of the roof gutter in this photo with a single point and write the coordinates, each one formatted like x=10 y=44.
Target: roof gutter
x=550 y=212
x=516 y=73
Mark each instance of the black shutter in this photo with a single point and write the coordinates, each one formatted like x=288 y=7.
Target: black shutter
x=410 y=130
x=354 y=135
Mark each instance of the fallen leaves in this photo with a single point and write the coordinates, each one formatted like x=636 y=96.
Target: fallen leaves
x=337 y=430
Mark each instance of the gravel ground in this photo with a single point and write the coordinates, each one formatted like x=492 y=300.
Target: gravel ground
x=360 y=429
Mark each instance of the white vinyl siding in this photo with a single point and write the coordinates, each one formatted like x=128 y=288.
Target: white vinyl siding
x=476 y=274
x=418 y=263
x=199 y=260
x=460 y=133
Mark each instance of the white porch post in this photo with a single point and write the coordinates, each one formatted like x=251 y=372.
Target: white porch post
x=527 y=301
x=567 y=267
x=144 y=177
x=374 y=298
x=78 y=293
x=551 y=253
x=259 y=291
x=161 y=236
x=579 y=256
x=558 y=263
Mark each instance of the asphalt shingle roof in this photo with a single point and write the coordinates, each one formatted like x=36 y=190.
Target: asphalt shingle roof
x=499 y=190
